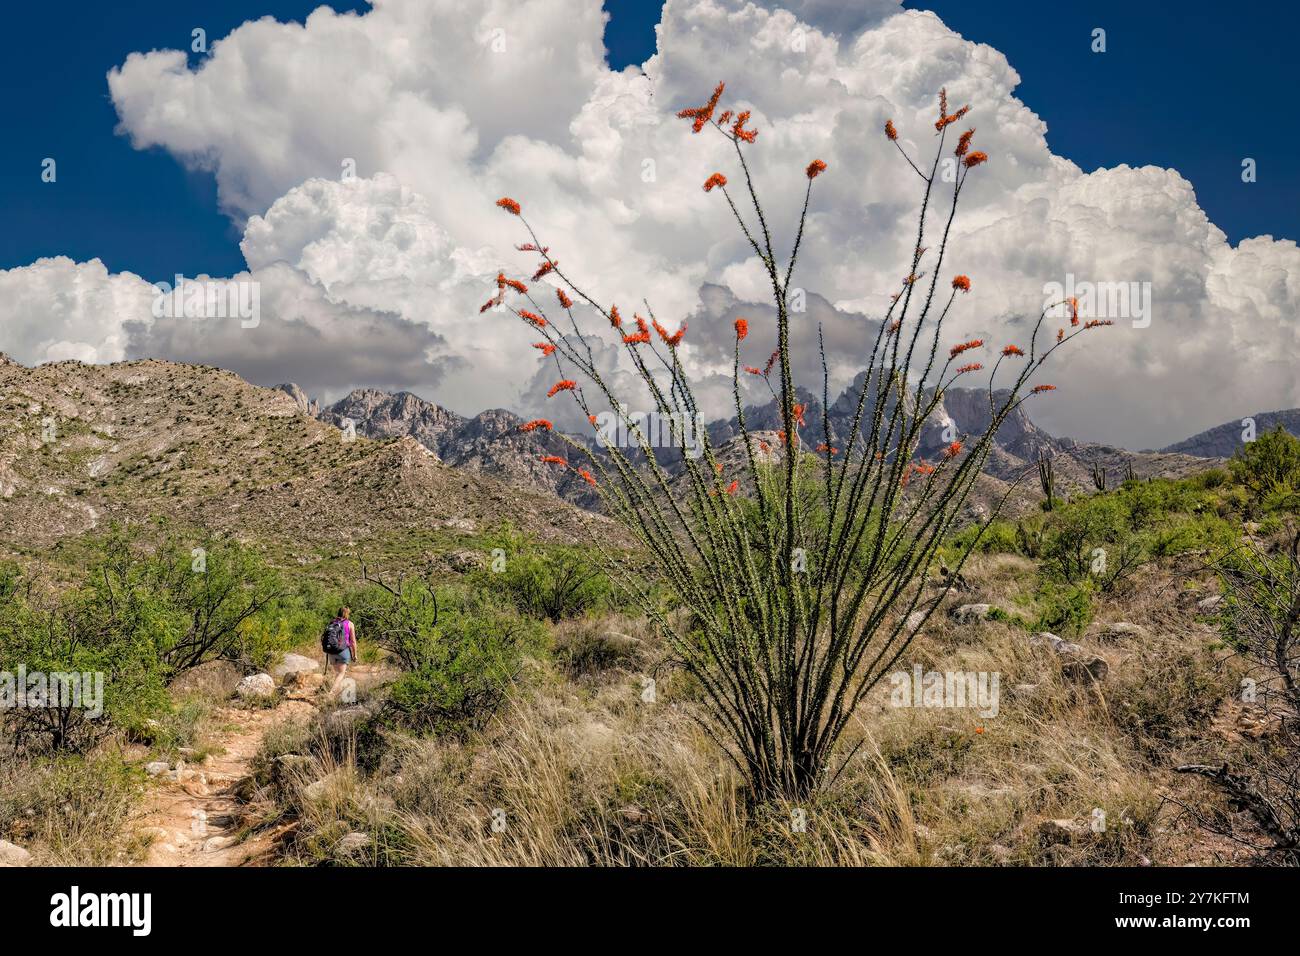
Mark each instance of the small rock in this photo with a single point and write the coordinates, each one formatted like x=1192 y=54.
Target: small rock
x=157 y=768
x=1210 y=604
x=295 y=664
x=1052 y=832
x=352 y=845
x=213 y=844
x=1062 y=647
x=914 y=621
x=11 y=854
x=1081 y=671
x=1121 y=631
x=256 y=686
x=969 y=613
x=465 y=561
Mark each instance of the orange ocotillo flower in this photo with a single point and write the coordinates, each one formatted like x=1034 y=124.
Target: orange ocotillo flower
x=702 y=114
x=961 y=283
x=637 y=338
x=553 y=460
x=797 y=414
x=739 y=131
x=515 y=284
x=972 y=367
x=963 y=144
x=767 y=369
x=1097 y=323
x=614 y=318
x=495 y=300
x=975 y=158
x=742 y=329
x=890 y=131
x=1060 y=334
x=675 y=339
x=1073 y=303
x=535 y=424
x=1013 y=350
x=532 y=317
x=753 y=371
x=953 y=450
x=509 y=205
x=815 y=168
x=544 y=268
x=963 y=347
x=733 y=487
x=1042 y=388
x=717 y=179
x=564 y=385
x=565 y=301
x=592 y=419
x=546 y=347
x=586 y=476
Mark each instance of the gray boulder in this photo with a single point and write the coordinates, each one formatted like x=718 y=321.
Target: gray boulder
x=256 y=686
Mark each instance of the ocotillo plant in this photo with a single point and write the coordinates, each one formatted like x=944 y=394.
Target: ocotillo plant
x=802 y=571
x=1098 y=476
x=1047 y=479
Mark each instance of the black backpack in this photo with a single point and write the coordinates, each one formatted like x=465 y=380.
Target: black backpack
x=335 y=637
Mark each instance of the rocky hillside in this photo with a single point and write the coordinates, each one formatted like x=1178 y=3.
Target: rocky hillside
x=82 y=445
x=1223 y=440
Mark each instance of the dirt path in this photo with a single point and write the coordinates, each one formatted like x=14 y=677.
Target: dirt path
x=193 y=820
x=190 y=814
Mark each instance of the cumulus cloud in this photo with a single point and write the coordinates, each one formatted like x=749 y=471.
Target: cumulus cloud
x=441 y=107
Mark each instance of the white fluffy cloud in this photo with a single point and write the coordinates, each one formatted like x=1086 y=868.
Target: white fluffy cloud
x=444 y=106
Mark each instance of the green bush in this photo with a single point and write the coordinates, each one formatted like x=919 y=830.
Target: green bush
x=1269 y=468
x=1064 y=609
x=556 y=585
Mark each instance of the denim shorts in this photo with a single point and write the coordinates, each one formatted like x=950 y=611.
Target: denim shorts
x=342 y=657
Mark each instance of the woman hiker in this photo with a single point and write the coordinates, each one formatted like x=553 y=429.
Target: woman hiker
x=340 y=646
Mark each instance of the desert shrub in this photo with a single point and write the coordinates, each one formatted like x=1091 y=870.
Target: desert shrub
x=590 y=646
x=560 y=584
x=1000 y=537
x=459 y=651
x=68 y=810
x=1064 y=609
x=112 y=672
x=464 y=669
x=1269 y=468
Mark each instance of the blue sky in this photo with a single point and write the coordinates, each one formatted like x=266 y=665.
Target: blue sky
x=1198 y=91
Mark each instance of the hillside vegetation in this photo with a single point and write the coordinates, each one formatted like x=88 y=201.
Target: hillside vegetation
x=524 y=714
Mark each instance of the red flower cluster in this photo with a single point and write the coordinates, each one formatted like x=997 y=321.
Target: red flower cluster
x=1073 y=303
x=961 y=283
x=673 y=340
x=953 y=450
x=815 y=168
x=509 y=205
x=975 y=158
x=733 y=487
x=753 y=371
x=965 y=346
x=739 y=131
x=586 y=476
x=972 y=367
x=702 y=114
x=890 y=131
x=742 y=329
x=544 y=268
x=553 y=460
x=963 y=144
x=546 y=347
x=717 y=179
x=532 y=317
x=535 y=424
x=1013 y=350
x=564 y=385
x=515 y=284
x=771 y=360
x=614 y=318
x=1042 y=388
x=565 y=301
